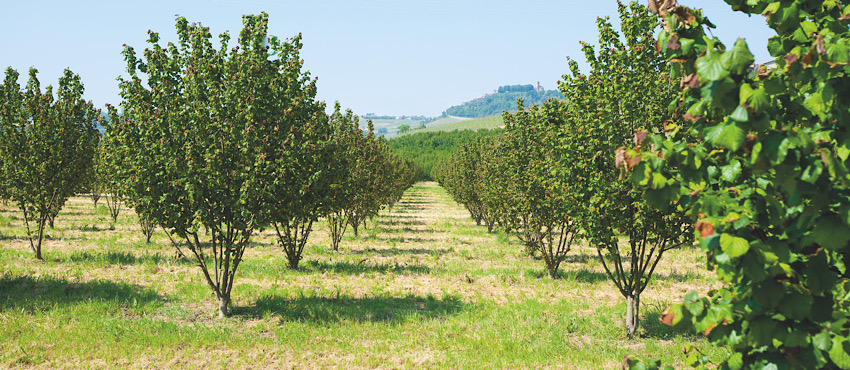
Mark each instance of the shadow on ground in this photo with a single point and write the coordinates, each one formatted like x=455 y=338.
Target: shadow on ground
x=400 y=251
x=363 y=267
x=124 y=258
x=344 y=309
x=31 y=294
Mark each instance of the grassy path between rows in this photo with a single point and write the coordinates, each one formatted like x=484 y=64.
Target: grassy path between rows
x=422 y=286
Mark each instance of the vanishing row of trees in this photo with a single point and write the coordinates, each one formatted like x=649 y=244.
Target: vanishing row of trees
x=551 y=178
x=427 y=149
x=212 y=144
x=678 y=138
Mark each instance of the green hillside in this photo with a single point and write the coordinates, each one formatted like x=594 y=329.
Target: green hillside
x=493 y=104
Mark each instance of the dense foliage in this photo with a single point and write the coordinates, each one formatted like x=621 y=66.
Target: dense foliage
x=461 y=175
x=426 y=149
x=47 y=144
x=497 y=103
x=764 y=165
x=624 y=96
x=204 y=138
x=371 y=176
x=552 y=177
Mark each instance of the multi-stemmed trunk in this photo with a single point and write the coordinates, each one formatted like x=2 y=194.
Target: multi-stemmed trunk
x=113 y=202
x=43 y=214
x=41 y=220
x=337 y=223
x=228 y=244
x=147 y=228
x=95 y=197
x=632 y=274
x=292 y=235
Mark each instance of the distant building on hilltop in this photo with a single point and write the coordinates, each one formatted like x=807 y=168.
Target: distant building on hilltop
x=538 y=88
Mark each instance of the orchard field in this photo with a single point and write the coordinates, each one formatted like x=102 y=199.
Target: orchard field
x=422 y=286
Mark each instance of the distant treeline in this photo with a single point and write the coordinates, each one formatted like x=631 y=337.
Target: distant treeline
x=426 y=149
x=515 y=88
x=411 y=118
x=502 y=101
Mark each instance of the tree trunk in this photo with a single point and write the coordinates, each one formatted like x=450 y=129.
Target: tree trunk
x=632 y=312
x=293 y=261
x=354 y=226
x=223 y=302
x=37 y=247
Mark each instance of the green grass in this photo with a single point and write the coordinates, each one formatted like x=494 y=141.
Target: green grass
x=451 y=124
x=421 y=286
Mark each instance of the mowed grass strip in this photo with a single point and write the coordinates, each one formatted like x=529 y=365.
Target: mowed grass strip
x=421 y=286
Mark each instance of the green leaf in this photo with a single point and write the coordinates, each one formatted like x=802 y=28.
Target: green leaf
x=740 y=114
x=731 y=171
x=831 y=232
x=735 y=361
x=822 y=341
x=693 y=304
x=733 y=246
x=812 y=172
x=729 y=135
x=710 y=67
x=762 y=331
x=738 y=59
x=796 y=306
x=759 y=101
x=814 y=102
x=839 y=353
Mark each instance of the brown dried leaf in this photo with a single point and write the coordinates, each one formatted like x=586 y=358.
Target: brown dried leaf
x=667 y=317
x=691 y=81
x=632 y=162
x=791 y=58
x=691 y=118
x=807 y=59
x=684 y=14
x=821 y=49
x=620 y=157
x=763 y=72
x=653 y=6
x=705 y=229
x=673 y=43
x=640 y=136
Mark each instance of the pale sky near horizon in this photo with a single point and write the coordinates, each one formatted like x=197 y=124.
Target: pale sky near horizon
x=389 y=57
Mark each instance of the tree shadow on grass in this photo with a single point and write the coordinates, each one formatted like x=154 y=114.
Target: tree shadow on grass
x=399 y=239
x=344 y=309
x=399 y=251
x=124 y=258
x=392 y=222
x=582 y=275
x=363 y=267
x=25 y=293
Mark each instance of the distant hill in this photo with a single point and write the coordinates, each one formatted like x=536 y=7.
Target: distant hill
x=504 y=99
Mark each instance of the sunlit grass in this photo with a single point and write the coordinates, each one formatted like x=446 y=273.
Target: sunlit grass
x=420 y=286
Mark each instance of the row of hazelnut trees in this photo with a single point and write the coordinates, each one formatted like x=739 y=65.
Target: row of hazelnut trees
x=672 y=135
x=551 y=178
x=212 y=144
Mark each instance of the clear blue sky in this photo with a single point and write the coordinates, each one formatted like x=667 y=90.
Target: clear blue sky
x=411 y=57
